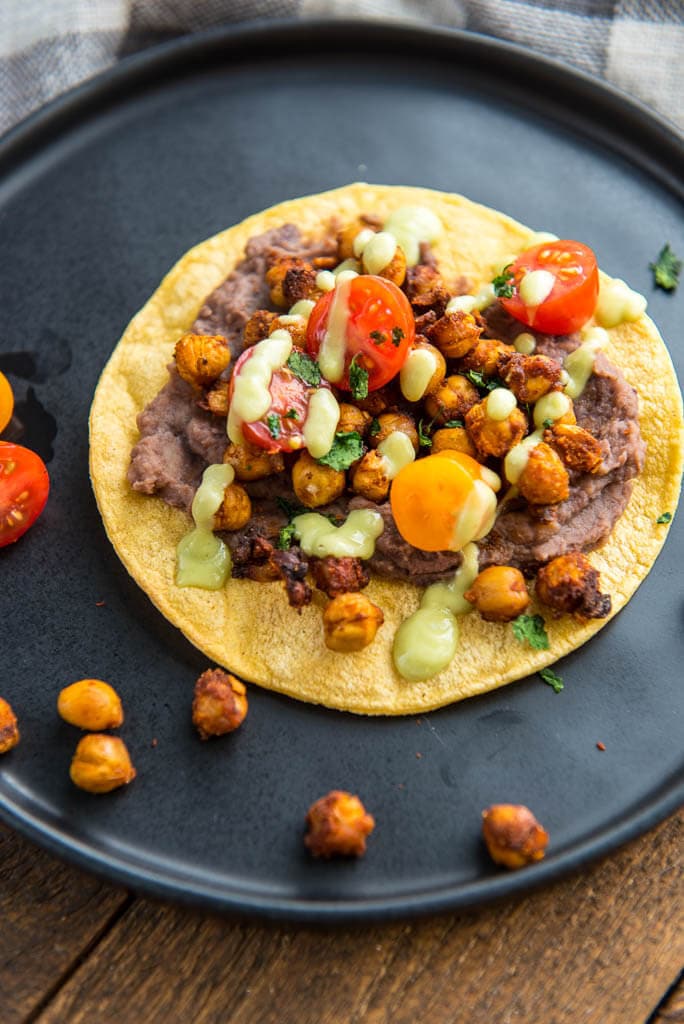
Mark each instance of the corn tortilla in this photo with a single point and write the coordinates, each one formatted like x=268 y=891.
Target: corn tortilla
x=249 y=627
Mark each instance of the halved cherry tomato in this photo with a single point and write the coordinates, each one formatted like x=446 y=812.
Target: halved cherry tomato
x=379 y=329
x=6 y=401
x=571 y=301
x=280 y=429
x=24 y=486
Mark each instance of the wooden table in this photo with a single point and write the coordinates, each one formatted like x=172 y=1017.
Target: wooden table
x=601 y=947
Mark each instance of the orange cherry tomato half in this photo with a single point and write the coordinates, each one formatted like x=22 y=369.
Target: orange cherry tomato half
x=24 y=486
x=379 y=329
x=443 y=501
x=281 y=428
x=6 y=401
x=572 y=299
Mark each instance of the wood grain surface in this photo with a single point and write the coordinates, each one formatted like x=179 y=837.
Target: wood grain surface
x=601 y=947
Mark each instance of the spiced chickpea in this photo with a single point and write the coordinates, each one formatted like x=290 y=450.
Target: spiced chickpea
x=350 y=622
x=338 y=825
x=294 y=325
x=499 y=593
x=394 y=271
x=513 y=836
x=544 y=480
x=290 y=279
x=425 y=289
x=494 y=437
x=455 y=334
x=388 y=423
x=251 y=463
x=101 y=763
x=529 y=377
x=452 y=399
x=353 y=419
x=219 y=705
x=91 y=704
x=437 y=378
x=577 y=447
x=257 y=327
x=452 y=439
x=235 y=510
x=217 y=398
x=346 y=238
x=316 y=484
x=484 y=356
x=570 y=584
x=370 y=479
x=9 y=729
x=201 y=358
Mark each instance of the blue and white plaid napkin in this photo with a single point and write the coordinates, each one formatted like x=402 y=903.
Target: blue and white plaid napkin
x=46 y=46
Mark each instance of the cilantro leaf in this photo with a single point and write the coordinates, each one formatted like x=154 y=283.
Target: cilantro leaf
x=478 y=379
x=375 y=427
x=547 y=424
x=397 y=335
x=552 y=679
x=664 y=517
x=346 y=448
x=378 y=337
x=286 y=536
x=273 y=424
x=358 y=379
x=666 y=269
x=531 y=628
x=503 y=288
x=304 y=367
x=290 y=508
x=453 y=423
x=424 y=439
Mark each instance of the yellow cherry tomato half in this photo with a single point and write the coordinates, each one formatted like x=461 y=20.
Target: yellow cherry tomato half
x=442 y=502
x=6 y=401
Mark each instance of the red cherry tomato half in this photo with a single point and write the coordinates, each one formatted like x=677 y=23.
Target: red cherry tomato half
x=281 y=428
x=6 y=401
x=24 y=486
x=379 y=328
x=571 y=301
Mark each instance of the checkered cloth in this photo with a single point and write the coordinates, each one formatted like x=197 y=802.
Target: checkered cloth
x=46 y=46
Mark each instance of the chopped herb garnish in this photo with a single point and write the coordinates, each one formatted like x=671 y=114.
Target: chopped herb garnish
x=454 y=423
x=378 y=337
x=375 y=427
x=346 y=448
x=273 y=424
x=547 y=424
x=424 y=439
x=664 y=517
x=503 y=288
x=286 y=536
x=291 y=414
x=304 y=367
x=478 y=379
x=531 y=628
x=290 y=508
x=666 y=269
x=552 y=679
x=397 y=335
x=358 y=379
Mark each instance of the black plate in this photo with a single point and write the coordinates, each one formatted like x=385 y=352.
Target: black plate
x=102 y=192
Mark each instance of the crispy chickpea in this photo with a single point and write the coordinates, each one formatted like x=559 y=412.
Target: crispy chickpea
x=453 y=439
x=395 y=271
x=544 y=480
x=337 y=825
x=91 y=704
x=316 y=484
x=217 y=399
x=529 y=377
x=570 y=584
x=370 y=479
x=251 y=463
x=377 y=401
x=294 y=325
x=345 y=240
x=499 y=593
x=389 y=423
x=437 y=378
x=257 y=327
x=219 y=705
x=494 y=437
x=353 y=419
x=455 y=334
x=484 y=356
x=9 y=729
x=101 y=763
x=350 y=622
x=425 y=288
x=578 y=448
x=235 y=511
x=201 y=358
x=513 y=835
x=451 y=400
x=290 y=279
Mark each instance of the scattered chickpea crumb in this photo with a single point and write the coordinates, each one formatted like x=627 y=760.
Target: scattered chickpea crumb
x=100 y=604
x=154 y=742
x=418 y=754
x=220 y=703
x=9 y=729
x=601 y=746
x=101 y=763
x=90 y=704
x=337 y=825
x=513 y=835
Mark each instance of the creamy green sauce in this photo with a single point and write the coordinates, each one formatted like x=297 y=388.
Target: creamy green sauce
x=412 y=225
x=618 y=303
x=579 y=365
x=202 y=559
x=355 y=538
x=426 y=642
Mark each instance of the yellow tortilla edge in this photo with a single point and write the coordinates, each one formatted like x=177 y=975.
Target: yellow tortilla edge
x=249 y=627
